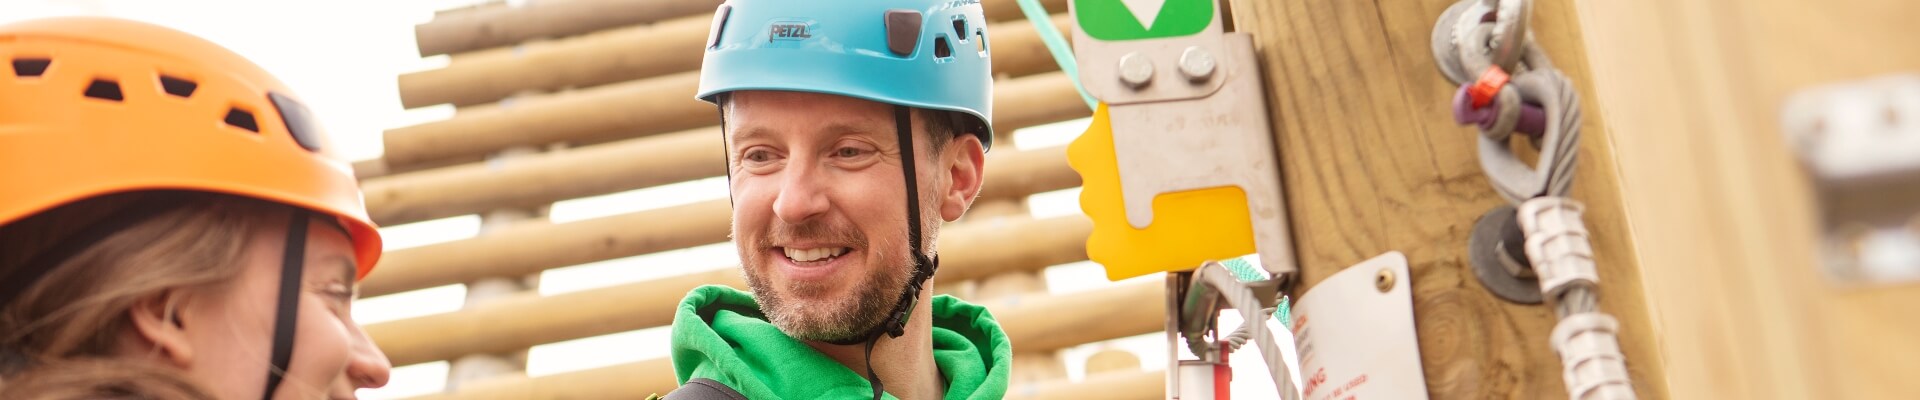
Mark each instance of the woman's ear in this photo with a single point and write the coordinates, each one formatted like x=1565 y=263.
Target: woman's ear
x=156 y=320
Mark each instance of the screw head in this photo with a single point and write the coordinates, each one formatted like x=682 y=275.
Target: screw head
x=1197 y=64
x=1383 y=280
x=1136 y=70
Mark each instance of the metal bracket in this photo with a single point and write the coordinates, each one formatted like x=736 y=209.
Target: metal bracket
x=1150 y=69
x=1860 y=143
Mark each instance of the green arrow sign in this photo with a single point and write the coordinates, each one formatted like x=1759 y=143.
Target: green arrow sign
x=1115 y=20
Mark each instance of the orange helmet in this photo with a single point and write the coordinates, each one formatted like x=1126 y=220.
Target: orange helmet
x=96 y=106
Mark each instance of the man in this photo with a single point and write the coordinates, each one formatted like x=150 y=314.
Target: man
x=850 y=126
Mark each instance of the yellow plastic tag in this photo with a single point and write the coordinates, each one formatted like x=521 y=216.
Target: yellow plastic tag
x=1189 y=227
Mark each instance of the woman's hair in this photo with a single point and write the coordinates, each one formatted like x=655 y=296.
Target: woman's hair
x=72 y=318
x=99 y=378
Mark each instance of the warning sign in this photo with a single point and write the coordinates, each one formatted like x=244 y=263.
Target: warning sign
x=1355 y=340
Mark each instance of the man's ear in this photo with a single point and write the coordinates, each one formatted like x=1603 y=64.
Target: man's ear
x=966 y=162
x=156 y=320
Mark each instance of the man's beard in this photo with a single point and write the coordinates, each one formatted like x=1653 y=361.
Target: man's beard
x=808 y=316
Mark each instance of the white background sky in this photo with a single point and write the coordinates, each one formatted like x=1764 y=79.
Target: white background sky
x=343 y=56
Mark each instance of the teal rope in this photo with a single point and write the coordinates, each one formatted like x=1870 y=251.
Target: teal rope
x=1062 y=54
x=1245 y=272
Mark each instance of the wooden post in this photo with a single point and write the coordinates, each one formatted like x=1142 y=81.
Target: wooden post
x=1723 y=216
x=480 y=367
x=1373 y=162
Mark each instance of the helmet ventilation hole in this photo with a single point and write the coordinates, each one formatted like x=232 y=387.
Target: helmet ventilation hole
x=941 y=49
x=980 y=39
x=177 y=86
x=242 y=119
x=960 y=27
x=105 y=89
x=25 y=67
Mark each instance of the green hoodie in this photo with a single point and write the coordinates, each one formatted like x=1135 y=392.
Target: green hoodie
x=720 y=333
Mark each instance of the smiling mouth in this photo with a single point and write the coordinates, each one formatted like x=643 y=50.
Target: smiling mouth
x=814 y=255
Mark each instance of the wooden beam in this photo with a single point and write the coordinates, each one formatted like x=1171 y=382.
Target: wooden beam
x=649 y=107
x=1723 y=217
x=534 y=247
x=1373 y=162
x=1125 y=385
x=635 y=108
x=656 y=376
x=627 y=165
x=501 y=25
x=639 y=52
x=546 y=177
x=971 y=251
x=1009 y=10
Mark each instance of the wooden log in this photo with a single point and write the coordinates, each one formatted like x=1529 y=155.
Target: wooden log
x=534 y=247
x=545 y=178
x=532 y=319
x=538 y=247
x=1009 y=10
x=639 y=379
x=1373 y=162
x=1035 y=100
x=640 y=52
x=635 y=108
x=1112 y=360
x=635 y=380
x=499 y=25
x=1723 y=216
x=649 y=107
x=1126 y=385
x=502 y=25
x=632 y=164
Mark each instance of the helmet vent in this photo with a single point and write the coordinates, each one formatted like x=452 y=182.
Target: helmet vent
x=25 y=67
x=960 y=27
x=177 y=86
x=299 y=119
x=941 y=49
x=980 y=40
x=242 y=119
x=105 y=89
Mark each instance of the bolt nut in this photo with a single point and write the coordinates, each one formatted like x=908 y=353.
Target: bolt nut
x=1136 y=70
x=1197 y=64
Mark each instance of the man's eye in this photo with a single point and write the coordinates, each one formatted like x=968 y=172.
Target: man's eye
x=758 y=156
x=849 y=152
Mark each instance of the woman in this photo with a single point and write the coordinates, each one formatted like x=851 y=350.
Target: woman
x=171 y=224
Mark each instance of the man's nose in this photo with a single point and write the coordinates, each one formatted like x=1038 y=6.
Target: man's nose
x=802 y=196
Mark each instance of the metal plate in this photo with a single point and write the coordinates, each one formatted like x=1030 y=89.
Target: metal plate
x=1221 y=140
x=1099 y=61
x=1860 y=142
x=1485 y=254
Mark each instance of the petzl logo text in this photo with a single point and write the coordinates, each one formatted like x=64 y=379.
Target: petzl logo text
x=788 y=31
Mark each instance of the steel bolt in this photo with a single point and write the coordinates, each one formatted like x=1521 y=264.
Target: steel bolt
x=1197 y=64
x=1136 y=70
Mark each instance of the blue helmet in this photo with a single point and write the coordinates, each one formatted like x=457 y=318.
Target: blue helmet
x=929 y=54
